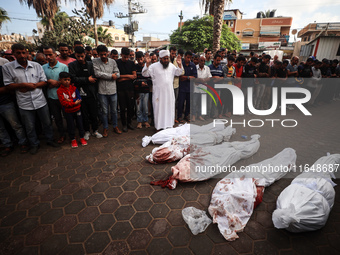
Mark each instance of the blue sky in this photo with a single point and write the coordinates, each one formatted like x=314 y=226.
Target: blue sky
x=162 y=16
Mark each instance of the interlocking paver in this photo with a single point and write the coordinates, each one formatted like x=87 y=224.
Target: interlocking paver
x=99 y=199
x=120 y=230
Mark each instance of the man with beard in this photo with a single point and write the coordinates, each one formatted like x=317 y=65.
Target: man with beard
x=27 y=79
x=163 y=99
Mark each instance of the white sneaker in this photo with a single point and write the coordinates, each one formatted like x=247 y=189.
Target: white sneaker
x=87 y=135
x=97 y=134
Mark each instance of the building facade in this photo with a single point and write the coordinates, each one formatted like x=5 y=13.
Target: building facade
x=321 y=47
x=313 y=30
x=258 y=34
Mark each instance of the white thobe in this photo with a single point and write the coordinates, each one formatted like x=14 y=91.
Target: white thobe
x=163 y=97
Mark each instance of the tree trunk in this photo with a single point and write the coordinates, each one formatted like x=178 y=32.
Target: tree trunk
x=50 y=23
x=95 y=24
x=218 y=22
x=95 y=31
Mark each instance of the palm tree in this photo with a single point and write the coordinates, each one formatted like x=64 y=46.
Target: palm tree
x=95 y=8
x=44 y=8
x=216 y=8
x=3 y=16
x=58 y=17
x=104 y=36
x=266 y=14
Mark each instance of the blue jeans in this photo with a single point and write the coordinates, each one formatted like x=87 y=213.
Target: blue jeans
x=142 y=107
x=105 y=101
x=7 y=111
x=71 y=128
x=28 y=118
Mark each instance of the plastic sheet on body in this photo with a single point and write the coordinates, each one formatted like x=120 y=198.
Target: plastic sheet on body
x=166 y=135
x=306 y=203
x=196 y=219
x=236 y=195
x=180 y=146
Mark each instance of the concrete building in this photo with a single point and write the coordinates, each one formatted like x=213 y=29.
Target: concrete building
x=258 y=34
x=322 y=47
x=313 y=30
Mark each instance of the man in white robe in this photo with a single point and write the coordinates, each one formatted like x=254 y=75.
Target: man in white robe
x=163 y=99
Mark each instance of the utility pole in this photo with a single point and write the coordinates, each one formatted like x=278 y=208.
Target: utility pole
x=180 y=21
x=132 y=27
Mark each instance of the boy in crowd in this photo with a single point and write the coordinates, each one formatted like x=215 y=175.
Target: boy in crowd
x=142 y=89
x=70 y=99
x=82 y=75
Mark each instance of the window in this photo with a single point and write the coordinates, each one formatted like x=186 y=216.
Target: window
x=248 y=33
x=123 y=38
x=231 y=23
x=117 y=38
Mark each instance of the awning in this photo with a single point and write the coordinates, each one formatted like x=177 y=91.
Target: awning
x=270 y=30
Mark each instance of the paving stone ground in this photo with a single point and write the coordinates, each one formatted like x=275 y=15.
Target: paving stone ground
x=97 y=199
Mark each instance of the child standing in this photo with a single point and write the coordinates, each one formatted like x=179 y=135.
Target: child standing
x=70 y=99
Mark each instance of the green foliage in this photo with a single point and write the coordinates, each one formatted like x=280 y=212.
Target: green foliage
x=103 y=36
x=197 y=34
x=29 y=46
x=3 y=16
x=67 y=30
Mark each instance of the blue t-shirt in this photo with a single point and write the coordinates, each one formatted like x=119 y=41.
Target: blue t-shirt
x=53 y=74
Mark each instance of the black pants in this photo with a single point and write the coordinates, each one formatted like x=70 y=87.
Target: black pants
x=71 y=118
x=56 y=110
x=126 y=104
x=151 y=107
x=183 y=97
x=89 y=110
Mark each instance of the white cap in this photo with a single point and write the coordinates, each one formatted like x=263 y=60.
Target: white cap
x=164 y=53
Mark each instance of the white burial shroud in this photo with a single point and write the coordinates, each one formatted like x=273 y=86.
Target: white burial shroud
x=306 y=203
x=180 y=146
x=195 y=166
x=236 y=195
x=166 y=135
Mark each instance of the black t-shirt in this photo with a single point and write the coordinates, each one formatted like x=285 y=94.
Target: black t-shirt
x=125 y=68
x=305 y=71
x=281 y=73
x=140 y=78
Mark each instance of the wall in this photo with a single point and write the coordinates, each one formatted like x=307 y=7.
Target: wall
x=328 y=48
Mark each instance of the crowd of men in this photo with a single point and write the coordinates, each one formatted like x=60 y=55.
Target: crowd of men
x=88 y=87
